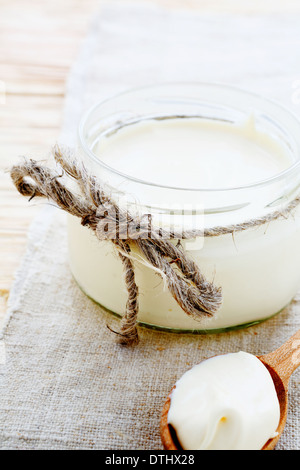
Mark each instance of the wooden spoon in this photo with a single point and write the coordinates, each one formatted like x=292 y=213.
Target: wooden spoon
x=281 y=363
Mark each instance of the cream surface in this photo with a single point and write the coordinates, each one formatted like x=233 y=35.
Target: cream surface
x=193 y=153
x=227 y=402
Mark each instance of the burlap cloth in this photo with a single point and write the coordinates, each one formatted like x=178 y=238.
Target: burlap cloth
x=64 y=381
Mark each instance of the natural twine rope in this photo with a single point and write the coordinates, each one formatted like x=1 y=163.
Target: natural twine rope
x=195 y=295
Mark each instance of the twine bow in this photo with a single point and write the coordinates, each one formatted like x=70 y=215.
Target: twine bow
x=195 y=295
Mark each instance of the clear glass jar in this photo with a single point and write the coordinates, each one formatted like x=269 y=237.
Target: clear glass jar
x=258 y=269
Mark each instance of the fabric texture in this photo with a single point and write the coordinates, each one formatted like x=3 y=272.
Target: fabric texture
x=65 y=383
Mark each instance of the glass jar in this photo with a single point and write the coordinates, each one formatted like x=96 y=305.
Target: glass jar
x=257 y=268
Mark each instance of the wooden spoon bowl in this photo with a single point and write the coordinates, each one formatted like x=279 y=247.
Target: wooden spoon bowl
x=281 y=363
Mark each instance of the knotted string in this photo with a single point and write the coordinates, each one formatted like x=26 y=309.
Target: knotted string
x=195 y=295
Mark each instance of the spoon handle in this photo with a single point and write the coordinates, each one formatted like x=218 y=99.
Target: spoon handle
x=286 y=358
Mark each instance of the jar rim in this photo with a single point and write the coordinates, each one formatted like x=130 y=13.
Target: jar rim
x=258 y=184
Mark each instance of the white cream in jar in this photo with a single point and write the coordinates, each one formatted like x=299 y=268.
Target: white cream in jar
x=193 y=152
x=159 y=162
x=227 y=402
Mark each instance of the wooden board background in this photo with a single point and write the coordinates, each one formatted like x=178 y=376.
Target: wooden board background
x=39 y=41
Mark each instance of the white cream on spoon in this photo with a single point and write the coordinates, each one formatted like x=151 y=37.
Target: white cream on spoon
x=227 y=402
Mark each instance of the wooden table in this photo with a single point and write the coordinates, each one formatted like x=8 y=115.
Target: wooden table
x=39 y=41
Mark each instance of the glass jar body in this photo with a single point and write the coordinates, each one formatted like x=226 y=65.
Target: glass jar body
x=256 y=268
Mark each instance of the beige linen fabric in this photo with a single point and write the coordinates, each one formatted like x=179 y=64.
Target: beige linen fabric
x=65 y=383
